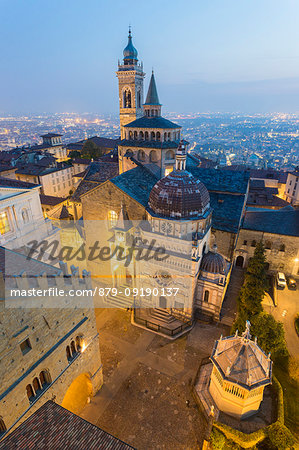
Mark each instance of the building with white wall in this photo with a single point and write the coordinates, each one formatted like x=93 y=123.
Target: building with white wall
x=21 y=216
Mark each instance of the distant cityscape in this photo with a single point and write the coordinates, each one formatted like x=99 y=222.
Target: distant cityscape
x=260 y=141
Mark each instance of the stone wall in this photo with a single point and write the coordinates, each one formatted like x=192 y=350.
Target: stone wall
x=283 y=254
x=50 y=331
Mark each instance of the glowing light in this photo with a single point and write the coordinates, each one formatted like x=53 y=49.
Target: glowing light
x=296 y=259
x=84 y=346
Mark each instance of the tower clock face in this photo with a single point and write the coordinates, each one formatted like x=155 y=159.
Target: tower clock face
x=166 y=227
x=163 y=278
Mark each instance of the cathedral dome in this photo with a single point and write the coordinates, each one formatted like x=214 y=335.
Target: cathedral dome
x=213 y=262
x=130 y=51
x=179 y=195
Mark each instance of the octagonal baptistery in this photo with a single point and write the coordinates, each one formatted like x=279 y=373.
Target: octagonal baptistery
x=179 y=195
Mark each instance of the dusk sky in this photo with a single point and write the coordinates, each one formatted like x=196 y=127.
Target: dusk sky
x=208 y=56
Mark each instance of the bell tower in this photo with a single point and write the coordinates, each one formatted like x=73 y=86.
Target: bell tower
x=130 y=84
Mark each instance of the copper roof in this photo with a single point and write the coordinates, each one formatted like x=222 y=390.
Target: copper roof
x=179 y=195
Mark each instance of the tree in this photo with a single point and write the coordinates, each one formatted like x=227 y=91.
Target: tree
x=91 y=150
x=270 y=334
x=74 y=154
x=253 y=289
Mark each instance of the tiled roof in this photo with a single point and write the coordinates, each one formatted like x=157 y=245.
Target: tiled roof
x=51 y=200
x=98 y=140
x=137 y=183
x=60 y=213
x=36 y=169
x=227 y=211
x=221 y=180
x=97 y=173
x=152 y=122
x=269 y=174
x=227 y=207
x=7 y=182
x=148 y=144
x=53 y=427
x=242 y=361
x=283 y=221
x=13 y=263
x=6 y=167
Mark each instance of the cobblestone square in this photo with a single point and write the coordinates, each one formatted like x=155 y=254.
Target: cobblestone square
x=146 y=398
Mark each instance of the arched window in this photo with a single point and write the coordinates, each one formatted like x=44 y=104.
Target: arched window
x=169 y=136
x=253 y=244
x=73 y=348
x=153 y=136
x=130 y=135
x=45 y=378
x=138 y=99
x=25 y=215
x=152 y=112
x=141 y=155
x=112 y=218
x=135 y=135
x=153 y=156
x=127 y=98
x=141 y=135
x=2 y=426
x=79 y=343
x=30 y=392
x=206 y=296
x=169 y=154
x=158 y=136
x=146 y=137
x=282 y=248
x=36 y=386
x=68 y=353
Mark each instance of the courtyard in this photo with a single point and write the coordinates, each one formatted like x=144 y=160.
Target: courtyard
x=146 y=399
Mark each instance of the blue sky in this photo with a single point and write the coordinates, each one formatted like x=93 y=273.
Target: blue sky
x=208 y=55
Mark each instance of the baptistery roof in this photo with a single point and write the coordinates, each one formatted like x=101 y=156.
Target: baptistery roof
x=213 y=262
x=179 y=195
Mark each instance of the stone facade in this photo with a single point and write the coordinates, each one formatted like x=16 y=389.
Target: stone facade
x=282 y=252
x=43 y=350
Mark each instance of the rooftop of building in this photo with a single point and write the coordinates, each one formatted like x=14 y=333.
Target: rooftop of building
x=53 y=426
x=17 y=184
x=220 y=180
x=40 y=169
x=103 y=142
x=241 y=360
x=51 y=135
x=227 y=207
x=50 y=200
x=284 y=221
x=97 y=173
x=152 y=122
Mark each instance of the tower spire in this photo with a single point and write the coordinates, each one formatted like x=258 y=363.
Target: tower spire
x=152 y=93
